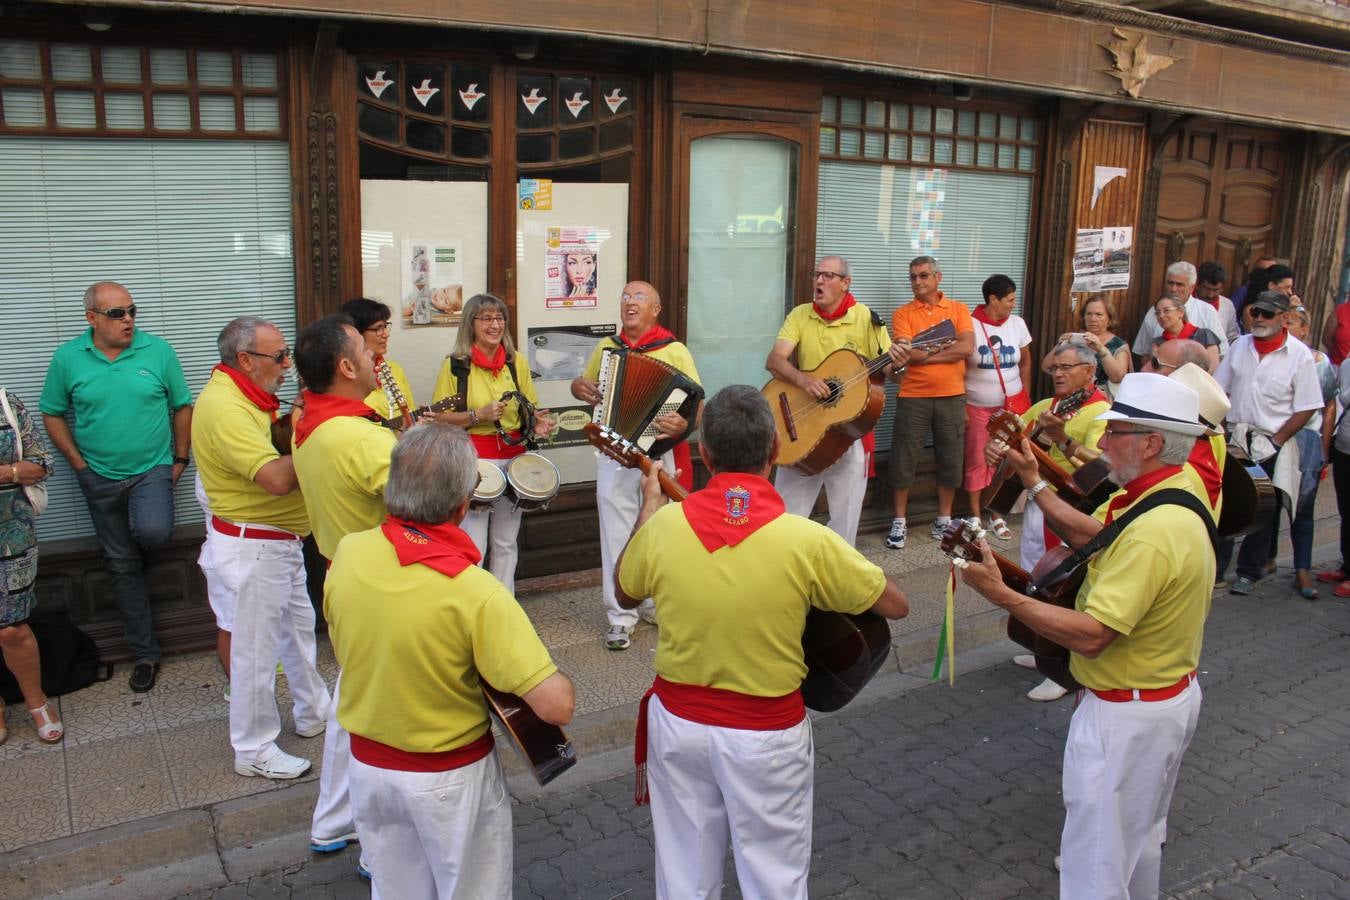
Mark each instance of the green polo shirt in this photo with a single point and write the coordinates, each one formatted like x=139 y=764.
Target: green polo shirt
x=122 y=406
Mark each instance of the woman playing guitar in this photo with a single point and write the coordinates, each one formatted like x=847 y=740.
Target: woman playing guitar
x=371 y=318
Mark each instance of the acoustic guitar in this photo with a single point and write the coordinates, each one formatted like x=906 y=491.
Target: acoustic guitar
x=842 y=650
x=545 y=748
x=961 y=542
x=812 y=433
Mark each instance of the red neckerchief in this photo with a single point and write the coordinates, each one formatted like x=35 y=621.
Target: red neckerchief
x=1270 y=344
x=319 y=408
x=651 y=340
x=268 y=403
x=732 y=507
x=711 y=706
x=1207 y=467
x=1187 y=329
x=445 y=548
x=1132 y=491
x=844 y=306
x=984 y=317
x=493 y=363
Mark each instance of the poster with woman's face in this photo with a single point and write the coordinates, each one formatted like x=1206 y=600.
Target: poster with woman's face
x=571 y=268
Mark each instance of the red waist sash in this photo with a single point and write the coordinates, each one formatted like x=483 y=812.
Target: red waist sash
x=711 y=706
x=491 y=446
x=383 y=756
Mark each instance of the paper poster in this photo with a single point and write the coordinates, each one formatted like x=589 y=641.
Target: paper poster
x=572 y=267
x=1087 y=261
x=433 y=283
x=567 y=425
x=536 y=193
x=926 y=198
x=1101 y=177
x=560 y=353
x=1117 y=246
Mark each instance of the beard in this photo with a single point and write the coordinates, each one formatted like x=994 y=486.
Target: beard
x=1264 y=328
x=1122 y=472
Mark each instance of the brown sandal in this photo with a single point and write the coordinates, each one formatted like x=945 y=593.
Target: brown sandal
x=49 y=728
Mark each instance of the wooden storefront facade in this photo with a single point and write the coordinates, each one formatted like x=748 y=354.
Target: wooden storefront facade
x=1229 y=153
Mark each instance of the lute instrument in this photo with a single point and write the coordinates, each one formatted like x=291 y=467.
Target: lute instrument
x=546 y=749
x=961 y=542
x=813 y=433
x=842 y=650
x=1248 y=495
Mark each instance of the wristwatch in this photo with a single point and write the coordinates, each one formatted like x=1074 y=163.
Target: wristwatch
x=1037 y=488
x=180 y=460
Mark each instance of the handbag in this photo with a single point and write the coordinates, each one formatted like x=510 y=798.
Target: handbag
x=36 y=493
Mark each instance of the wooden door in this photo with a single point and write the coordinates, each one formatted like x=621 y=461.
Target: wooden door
x=1220 y=198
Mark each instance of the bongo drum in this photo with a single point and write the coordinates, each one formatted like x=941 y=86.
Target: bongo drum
x=532 y=481
x=491 y=486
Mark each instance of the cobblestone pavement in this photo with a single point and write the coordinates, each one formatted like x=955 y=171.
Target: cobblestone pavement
x=954 y=791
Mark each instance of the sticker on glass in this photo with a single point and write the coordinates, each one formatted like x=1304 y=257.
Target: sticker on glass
x=576 y=105
x=471 y=95
x=533 y=101
x=378 y=83
x=424 y=92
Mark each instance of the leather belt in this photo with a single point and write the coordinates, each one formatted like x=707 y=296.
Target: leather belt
x=251 y=531
x=1148 y=695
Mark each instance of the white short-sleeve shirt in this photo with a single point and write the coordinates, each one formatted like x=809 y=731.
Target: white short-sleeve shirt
x=1266 y=390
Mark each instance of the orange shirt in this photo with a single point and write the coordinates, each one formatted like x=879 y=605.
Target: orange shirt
x=941 y=379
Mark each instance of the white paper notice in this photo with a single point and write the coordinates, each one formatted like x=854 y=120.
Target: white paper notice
x=1101 y=177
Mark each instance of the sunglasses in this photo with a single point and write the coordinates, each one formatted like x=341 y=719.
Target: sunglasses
x=116 y=312
x=1161 y=365
x=279 y=357
x=1260 y=312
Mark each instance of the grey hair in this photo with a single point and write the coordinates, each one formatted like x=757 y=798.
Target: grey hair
x=843 y=264
x=241 y=334
x=1177 y=447
x=928 y=260
x=738 y=428
x=1181 y=306
x=1078 y=348
x=432 y=471
x=91 y=292
x=1181 y=267
x=477 y=303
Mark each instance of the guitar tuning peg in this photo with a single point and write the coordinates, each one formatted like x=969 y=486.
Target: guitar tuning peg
x=960 y=562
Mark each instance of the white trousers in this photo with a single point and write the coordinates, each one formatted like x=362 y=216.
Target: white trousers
x=501 y=526
x=273 y=618
x=435 y=834
x=709 y=784
x=333 y=810
x=618 y=497
x=1120 y=768
x=845 y=484
x=1033 y=535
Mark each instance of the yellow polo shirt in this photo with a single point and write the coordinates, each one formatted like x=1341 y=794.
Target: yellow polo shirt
x=342 y=468
x=674 y=354
x=413 y=642
x=816 y=338
x=378 y=399
x=232 y=440
x=485 y=388
x=1084 y=427
x=733 y=619
x=1152 y=584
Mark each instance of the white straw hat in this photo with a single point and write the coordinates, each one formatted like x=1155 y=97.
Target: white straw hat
x=1156 y=402
x=1214 y=403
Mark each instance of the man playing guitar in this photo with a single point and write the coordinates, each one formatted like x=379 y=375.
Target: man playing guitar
x=724 y=728
x=1134 y=638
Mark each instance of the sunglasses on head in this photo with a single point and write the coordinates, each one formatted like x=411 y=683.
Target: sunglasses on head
x=1260 y=312
x=116 y=312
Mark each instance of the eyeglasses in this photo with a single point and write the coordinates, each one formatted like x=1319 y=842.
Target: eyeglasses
x=1158 y=364
x=382 y=328
x=920 y=276
x=828 y=276
x=1064 y=367
x=490 y=320
x=116 y=312
x=1121 y=432
x=279 y=357
x=1260 y=312
x=1166 y=309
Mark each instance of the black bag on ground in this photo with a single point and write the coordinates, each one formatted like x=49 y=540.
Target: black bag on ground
x=70 y=658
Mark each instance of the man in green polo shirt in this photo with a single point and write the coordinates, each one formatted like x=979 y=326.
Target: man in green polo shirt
x=128 y=447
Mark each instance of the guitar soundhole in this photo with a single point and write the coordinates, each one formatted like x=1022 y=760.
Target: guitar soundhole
x=836 y=392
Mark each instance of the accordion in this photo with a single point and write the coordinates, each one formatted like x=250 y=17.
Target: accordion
x=634 y=390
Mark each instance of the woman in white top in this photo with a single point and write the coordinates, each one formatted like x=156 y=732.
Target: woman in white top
x=997 y=373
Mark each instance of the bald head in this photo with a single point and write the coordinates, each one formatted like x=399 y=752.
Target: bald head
x=639 y=308
x=1172 y=355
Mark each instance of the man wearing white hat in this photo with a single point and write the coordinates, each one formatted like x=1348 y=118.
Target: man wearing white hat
x=1135 y=636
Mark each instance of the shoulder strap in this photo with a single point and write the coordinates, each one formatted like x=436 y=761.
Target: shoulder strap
x=460 y=369
x=511 y=370
x=1109 y=533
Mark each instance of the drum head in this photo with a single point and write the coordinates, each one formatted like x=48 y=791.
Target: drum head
x=491 y=483
x=533 y=477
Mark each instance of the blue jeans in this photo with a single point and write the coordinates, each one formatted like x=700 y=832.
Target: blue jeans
x=1301 y=528
x=130 y=517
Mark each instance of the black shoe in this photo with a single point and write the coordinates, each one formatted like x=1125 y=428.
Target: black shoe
x=143 y=676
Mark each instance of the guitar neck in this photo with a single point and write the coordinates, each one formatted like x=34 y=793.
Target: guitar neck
x=669 y=486
x=400 y=422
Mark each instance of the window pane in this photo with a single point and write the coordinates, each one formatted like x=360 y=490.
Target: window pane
x=829 y=108
x=575 y=101
x=75 y=109
x=576 y=143
x=20 y=59
x=534 y=101
x=217 y=113
x=261 y=114
x=215 y=68
x=380 y=124
x=899 y=115
x=24 y=107
x=1029 y=130
x=921 y=149
x=121 y=65
x=898 y=147
x=616 y=99
x=1007 y=127
x=965 y=123
x=988 y=124
x=168 y=66
x=470 y=143
x=850 y=111
x=1005 y=156
x=171 y=112
x=876 y=113
x=984 y=156
x=945 y=121
x=428 y=137
x=1025 y=159
x=872 y=145
x=965 y=153
x=70 y=62
x=425 y=90
x=828 y=140
x=923 y=118
x=470 y=102
x=942 y=151
x=740 y=227
x=532 y=148
x=616 y=135
x=378 y=79
x=849 y=142
x=124 y=111
x=260 y=70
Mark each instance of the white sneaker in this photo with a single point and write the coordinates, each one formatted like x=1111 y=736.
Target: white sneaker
x=619 y=637
x=647 y=613
x=312 y=730
x=1058 y=860
x=280 y=766
x=1046 y=691
x=1025 y=660
x=896 y=539
x=940 y=525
